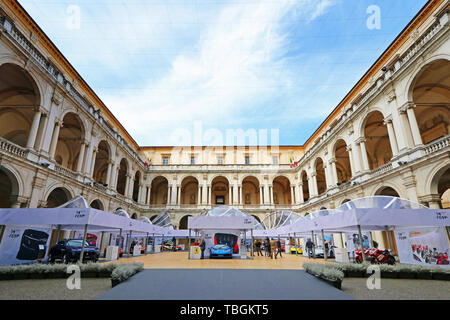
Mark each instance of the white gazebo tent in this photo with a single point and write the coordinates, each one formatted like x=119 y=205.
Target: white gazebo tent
x=73 y=216
x=377 y=213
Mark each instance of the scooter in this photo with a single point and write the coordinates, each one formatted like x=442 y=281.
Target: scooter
x=375 y=256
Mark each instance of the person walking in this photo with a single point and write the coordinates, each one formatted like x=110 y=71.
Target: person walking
x=258 y=247
x=278 y=248
x=203 y=247
x=309 y=247
x=273 y=248
x=174 y=244
x=267 y=247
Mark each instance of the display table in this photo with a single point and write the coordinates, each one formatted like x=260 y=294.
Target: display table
x=136 y=251
x=287 y=249
x=195 y=253
x=341 y=255
x=112 y=252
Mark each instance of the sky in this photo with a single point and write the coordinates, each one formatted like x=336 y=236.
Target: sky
x=189 y=72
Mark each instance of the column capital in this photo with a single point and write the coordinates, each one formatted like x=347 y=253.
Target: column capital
x=348 y=148
x=360 y=140
x=387 y=120
x=332 y=160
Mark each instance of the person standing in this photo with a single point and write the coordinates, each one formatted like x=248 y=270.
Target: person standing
x=309 y=247
x=174 y=244
x=278 y=248
x=203 y=247
x=258 y=247
x=267 y=247
x=273 y=248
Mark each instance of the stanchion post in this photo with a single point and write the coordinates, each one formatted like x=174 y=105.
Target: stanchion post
x=313 y=248
x=189 y=245
x=82 y=244
x=253 y=243
x=120 y=243
x=325 y=253
x=146 y=244
x=388 y=238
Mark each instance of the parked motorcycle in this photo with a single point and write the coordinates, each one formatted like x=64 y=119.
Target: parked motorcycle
x=375 y=255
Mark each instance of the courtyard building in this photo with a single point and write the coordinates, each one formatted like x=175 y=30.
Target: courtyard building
x=388 y=136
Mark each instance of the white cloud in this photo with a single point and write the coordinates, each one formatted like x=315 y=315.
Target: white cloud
x=237 y=66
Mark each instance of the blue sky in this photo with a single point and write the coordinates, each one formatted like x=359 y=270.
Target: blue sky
x=162 y=66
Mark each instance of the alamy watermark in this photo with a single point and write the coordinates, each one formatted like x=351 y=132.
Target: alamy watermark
x=373 y=22
x=74 y=280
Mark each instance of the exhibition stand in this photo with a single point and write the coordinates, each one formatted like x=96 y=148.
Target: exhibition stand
x=26 y=229
x=220 y=230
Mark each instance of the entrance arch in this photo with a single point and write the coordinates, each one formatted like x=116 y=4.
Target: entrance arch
x=387 y=191
x=320 y=177
x=70 y=139
x=220 y=191
x=122 y=176
x=97 y=204
x=189 y=191
x=159 y=192
x=9 y=188
x=250 y=191
x=377 y=143
x=58 y=197
x=343 y=168
x=281 y=190
x=102 y=159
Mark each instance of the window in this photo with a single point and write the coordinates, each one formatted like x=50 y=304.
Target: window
x=247 y=159
x=219 y=160
x=192 y=159
x=165 y=161
x=275 y=159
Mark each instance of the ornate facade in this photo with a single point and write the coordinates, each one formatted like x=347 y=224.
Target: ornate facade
x=388 y=136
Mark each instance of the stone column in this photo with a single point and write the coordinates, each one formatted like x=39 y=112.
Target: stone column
x=417 y=138
x=241 y=200
x=392 y=137
x=108 y=174
x=292 y=194
x=174 y=194
x=352 y=164
x=205 y=194
x=140 y=193
x=271 y=194
x=178 y=195
x=127 y=185
x=334 y=171
x=115 y=177
x=54 y=141
x=41 y=132
x=266 y=193
x=81 y=157
x=235 y=193
x=91 y=173
x=357 y=158
x=300 y=198
x=315 y=190
x=404 y=122
x=328 y=176
x=149 y=193
x=230 y=193
x=199 y=194
x=34 y=128
x=365 y=159
x=210 y=201
x=261 y=190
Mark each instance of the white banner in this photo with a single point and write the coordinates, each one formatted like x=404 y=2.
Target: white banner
x=424 y=246
x=20 y=244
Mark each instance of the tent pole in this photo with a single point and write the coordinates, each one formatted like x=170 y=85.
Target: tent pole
x=388 y=238
x=361 y=243
x=325 y=253
x=120 y=243
x=153 y=244
x=146 y=244
x=313 y=249
x=342 y=240
x=295 y=242
x=82 y=244
x=58 y=234
x=2 y=231
x=253 y=243
x=189 y=245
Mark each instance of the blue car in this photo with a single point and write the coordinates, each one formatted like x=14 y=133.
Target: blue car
x=69 y=251
x=220 y=251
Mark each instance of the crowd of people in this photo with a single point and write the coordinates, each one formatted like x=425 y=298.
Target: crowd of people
x=271 y=248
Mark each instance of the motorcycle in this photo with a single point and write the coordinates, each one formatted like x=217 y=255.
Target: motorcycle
x=375 y=255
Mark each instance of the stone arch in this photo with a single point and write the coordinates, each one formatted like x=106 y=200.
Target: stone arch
x=9 y=188
x=20 y=97
x=281 y=189
x=183 y=224
x=159 y=193
x=343 y=166
x=430 y=92
x=58 y=196
x=136 y=185
x=319 y=167
x=102 y=161
x=387 y=191
x=220 y=187
x=71 y=136
x=189 y=191
x=378 y=147
x=439 y=185
x=122 y=176
x=250 y=190
x=97 y=204
x=305 y=185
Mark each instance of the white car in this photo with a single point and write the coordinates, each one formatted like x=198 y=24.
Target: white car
x=319 y=252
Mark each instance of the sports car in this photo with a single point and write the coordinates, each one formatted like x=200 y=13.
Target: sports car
x=299 y=250
x=220 y=251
